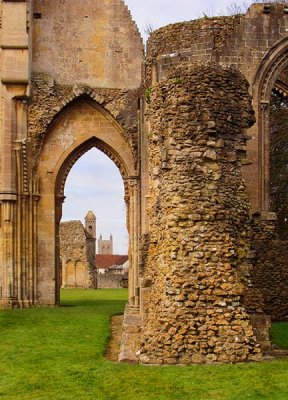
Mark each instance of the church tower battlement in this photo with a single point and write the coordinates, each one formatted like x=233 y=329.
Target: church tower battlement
x=105 y=246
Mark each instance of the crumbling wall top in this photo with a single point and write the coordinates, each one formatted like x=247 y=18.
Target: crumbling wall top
x=73 y=240
x=214 y=33
x=182 y=35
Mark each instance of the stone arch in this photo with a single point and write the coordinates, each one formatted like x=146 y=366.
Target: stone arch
x=67 y=162
x=81 y=125
x=80 y=93
x=274 y=62
x=70 y=273
x=80 y=274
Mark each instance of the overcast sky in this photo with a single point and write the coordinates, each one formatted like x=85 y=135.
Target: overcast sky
x=159 y=13
x=94 y=182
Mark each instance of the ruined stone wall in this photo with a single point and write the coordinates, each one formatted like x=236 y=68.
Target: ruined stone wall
x=201 y=35
x=242 y=41
x=194 y=41
x=111 y=281
x=77 y=251
x=73 y=240
x=199 y=220
x=105 y=48
x=245 y=42
x=103 y=61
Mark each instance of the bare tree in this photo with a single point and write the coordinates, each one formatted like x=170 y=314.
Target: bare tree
x=148 y=28
x=236 y=8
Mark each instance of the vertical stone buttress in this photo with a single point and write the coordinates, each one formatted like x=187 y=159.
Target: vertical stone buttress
x=16 y=221
x=194 y=312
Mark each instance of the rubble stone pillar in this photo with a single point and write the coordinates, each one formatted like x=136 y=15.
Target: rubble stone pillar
x=199 y=220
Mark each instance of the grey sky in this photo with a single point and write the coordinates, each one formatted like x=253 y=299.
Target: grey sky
x=163 y=12
x=94 y=183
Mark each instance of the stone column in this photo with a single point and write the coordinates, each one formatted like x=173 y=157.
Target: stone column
x=58 y=215
x=23 y=238
x=133 y=224
x=13 y=126
x=8 y=267
x=264 y=156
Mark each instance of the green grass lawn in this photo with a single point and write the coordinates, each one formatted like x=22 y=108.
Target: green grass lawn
x=57 y=353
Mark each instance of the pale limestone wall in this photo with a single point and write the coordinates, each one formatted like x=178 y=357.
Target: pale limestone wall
x=105 y=48
x=27 y=276
x=16 y=276
x=75 y=274
x=82 y=52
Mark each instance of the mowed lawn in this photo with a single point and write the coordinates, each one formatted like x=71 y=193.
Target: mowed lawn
x=57 y=353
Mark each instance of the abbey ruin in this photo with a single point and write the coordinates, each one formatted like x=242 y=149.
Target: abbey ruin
x=188 y=128
x=77 y=243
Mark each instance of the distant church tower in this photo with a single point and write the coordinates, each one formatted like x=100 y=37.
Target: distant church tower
x=105 y=246
x=90 y=223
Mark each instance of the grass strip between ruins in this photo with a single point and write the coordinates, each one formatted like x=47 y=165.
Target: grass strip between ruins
x=57 y=353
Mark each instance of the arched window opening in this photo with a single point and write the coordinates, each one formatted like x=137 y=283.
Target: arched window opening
x=279 y=154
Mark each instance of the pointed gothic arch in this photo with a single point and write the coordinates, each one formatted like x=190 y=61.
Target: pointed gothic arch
x=274 y=62
x=81 y=125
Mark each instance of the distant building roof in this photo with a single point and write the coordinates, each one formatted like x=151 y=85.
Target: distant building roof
x=105 y=261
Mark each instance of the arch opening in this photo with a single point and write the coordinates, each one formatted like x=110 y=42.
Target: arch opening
x=75 y=132
x=270 y=81
x=278 y=183
x=94 y=183
x=268 y=224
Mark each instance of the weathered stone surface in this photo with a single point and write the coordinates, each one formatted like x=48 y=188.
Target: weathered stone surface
x=95 y=43
x=254 y=43
x=130 y=337
x=49 y=98
x=77 y=251
x=198 y=224
x=111 y=281
x=82 y=77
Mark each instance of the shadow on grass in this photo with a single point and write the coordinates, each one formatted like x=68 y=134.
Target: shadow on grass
x=68 y=305
x=97 y=304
